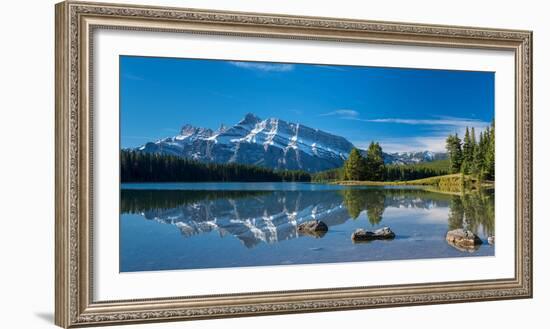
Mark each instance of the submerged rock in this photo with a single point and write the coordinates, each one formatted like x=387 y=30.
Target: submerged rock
x=315 y=228
x=469 y=249
x=463 y=240
x=384 y=233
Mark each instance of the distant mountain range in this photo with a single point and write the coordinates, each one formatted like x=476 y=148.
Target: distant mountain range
x=413 y=157
x=272 y=143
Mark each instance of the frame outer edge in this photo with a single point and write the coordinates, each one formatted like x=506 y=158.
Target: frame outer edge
x=62 y=201
x=72 y=308
x=529 y=130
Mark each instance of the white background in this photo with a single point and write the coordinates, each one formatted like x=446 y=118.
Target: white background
x=26 y=173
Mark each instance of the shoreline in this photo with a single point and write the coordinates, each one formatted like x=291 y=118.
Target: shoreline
x=455 y=184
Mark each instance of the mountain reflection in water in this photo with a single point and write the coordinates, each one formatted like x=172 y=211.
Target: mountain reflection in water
x=256 y=217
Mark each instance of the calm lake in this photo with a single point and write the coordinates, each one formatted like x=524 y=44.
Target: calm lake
x=213 y=225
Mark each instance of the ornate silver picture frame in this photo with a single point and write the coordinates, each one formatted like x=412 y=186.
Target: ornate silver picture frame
x=76 y=23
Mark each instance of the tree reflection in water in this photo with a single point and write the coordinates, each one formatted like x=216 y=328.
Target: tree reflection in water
x=373 y=201
x=473 y=211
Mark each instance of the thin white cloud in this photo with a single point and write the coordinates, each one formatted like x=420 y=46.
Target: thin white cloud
x=433 y=141
x=331 y=67
x=439 y=121
x=264 y=67
x=408 y=144
x=343 y=113
x=134 y=77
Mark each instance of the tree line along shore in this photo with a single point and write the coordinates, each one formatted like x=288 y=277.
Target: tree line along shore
x=470 y=165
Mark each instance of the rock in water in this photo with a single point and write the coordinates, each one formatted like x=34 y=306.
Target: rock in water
x=491 y=240
x=314 y=228
x=384 y=233
x=463 y=240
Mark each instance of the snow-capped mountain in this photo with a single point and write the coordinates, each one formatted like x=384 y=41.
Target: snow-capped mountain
x=272 y=143
x=413 y=157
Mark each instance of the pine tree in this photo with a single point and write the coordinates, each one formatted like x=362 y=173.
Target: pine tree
x=490 y=154
x=354 y=167
x=374 y=163
x=454 y=150
x=468 y=152
x=479 y=157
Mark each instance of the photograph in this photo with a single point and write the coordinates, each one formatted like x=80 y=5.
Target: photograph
x=228 y=163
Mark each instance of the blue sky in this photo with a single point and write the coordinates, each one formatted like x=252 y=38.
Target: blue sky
x=403 y=109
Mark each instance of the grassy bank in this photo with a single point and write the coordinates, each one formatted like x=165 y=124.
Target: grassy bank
x=454 y=183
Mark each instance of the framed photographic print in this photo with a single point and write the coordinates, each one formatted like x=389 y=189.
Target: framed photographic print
x=218 y=164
